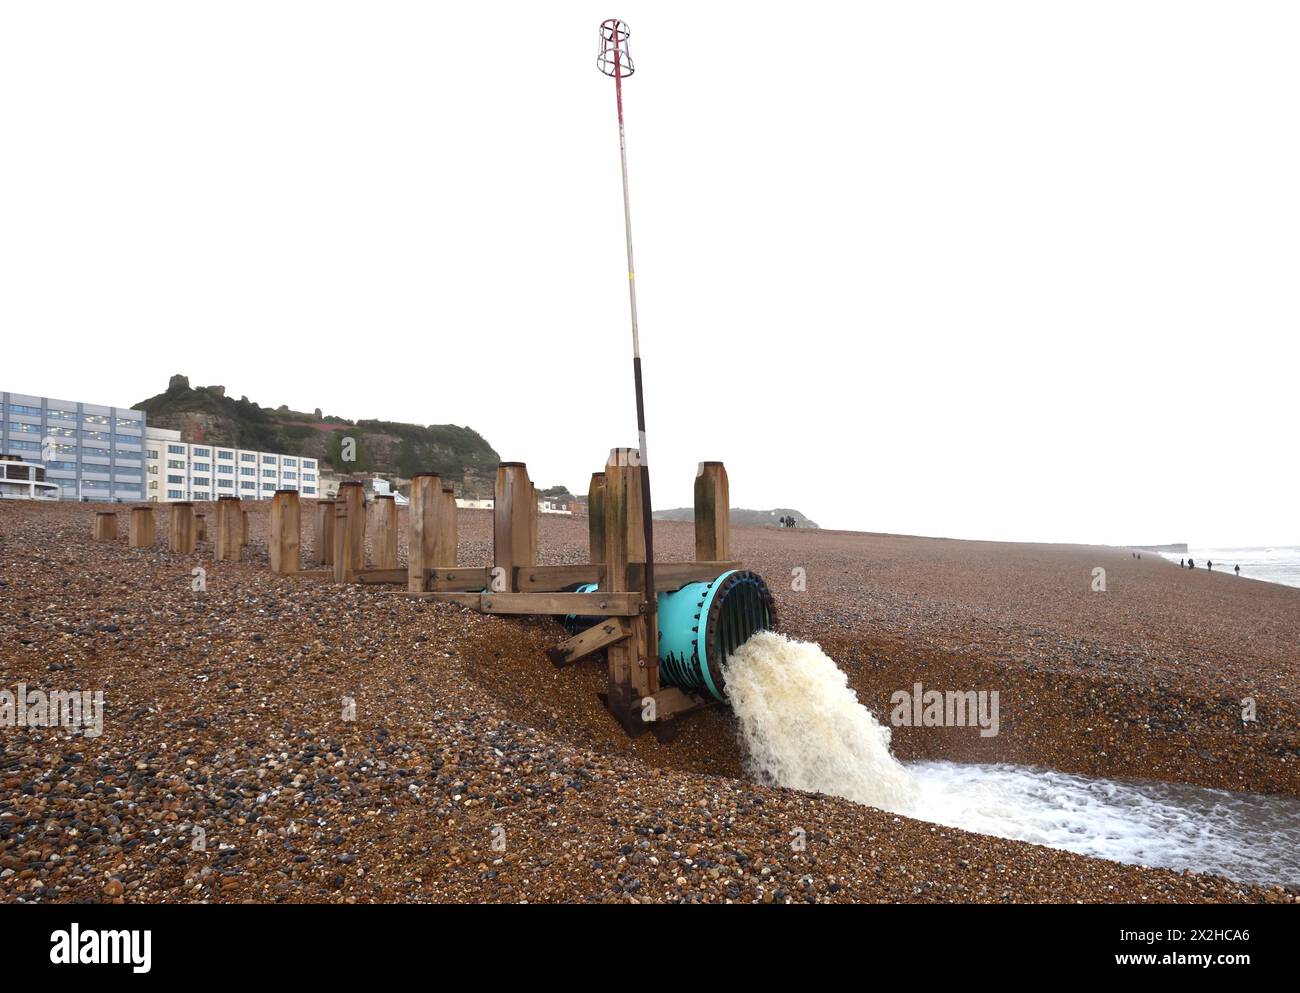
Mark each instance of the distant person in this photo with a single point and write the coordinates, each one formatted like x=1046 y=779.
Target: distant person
x=1191 y=563
x=1209 y=564
x=1237 y=570
x=1182 y=563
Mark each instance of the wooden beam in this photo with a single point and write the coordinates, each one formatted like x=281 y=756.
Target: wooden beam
x=474 y=600
x=607 y=632
x=286 y=531
x=674 y=575
x=549 y=578
x=180 y=534
x=140 y=528
x=323 y=533
x=590 y=604
x=673 y=702
x=350 y=542
x=633 y=664
x=230 y=530
x=105 y=525
x=449 y=540
x=379 y=577
x=514 y=526
x=712 y=512
x=596 y=516
x=381 y=517
x=426 y=529
x=459 y=580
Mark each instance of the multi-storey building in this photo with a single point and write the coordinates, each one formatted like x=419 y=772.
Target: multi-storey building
x=91 y=451
x=178 y=470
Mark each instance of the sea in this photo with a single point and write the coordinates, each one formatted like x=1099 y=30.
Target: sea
x=1271 y=564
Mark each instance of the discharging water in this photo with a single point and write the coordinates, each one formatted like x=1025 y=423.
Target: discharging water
x=803 y=727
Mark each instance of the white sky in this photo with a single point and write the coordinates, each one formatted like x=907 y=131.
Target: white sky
x=991 y=270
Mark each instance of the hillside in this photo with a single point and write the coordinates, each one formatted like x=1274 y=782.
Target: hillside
x=205 y=414
x=740 y=516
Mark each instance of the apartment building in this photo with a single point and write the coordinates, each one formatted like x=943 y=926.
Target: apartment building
x=92 y=451
x=177 y=470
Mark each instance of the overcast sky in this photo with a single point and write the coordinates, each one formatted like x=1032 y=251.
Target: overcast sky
x=1022 y=271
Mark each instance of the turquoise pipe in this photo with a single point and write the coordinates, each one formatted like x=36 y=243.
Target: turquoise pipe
x=701 y=625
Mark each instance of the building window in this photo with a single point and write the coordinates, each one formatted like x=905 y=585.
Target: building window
x=175 y=494
x=226 y=455
x=24 y=428
x=97 y=419
x=18 y=408
x=248 y=457
x=289 y=461
x=175 y=463
x=245 y=485
x=175 y=449
x=201 y=467
x=200 y=481
x=201 y=453
x=226 y=470
x=268 y=487
x=309 y=489
x=245 y=471
x=268 y=473
x=129 y=422
x=62 y=415
x=176 y=480
x=26 y=446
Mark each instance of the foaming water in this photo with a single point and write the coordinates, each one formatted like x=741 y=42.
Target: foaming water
x=1244 y=836
x=803 y=727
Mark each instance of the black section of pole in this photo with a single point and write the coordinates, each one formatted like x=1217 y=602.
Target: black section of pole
x=651 y=598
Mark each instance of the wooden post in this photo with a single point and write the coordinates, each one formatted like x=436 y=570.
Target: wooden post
x=382 y=515
x=425 y=529
x=243 y=530
x=323 y=533
x=712 y=513
x=105 y=525
x=286 y=531
x=350 y=532
x=230 y=530
x=141 y=532
x=449 y=544
x=181 y=534
x=200 y=527
x=514 y=524
x=633 y=662
x=596 y=517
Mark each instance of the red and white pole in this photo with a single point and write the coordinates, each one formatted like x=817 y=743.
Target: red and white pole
x=614 y=35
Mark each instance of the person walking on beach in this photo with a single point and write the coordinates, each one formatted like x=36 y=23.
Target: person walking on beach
x=1191 y=563
x=1237 y=570
x=1181 y=564
x=1209 y=564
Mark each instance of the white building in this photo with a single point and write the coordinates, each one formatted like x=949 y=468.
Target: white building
x=176 y=470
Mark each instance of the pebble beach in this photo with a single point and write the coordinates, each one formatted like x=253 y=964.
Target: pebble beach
x=286 y=739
